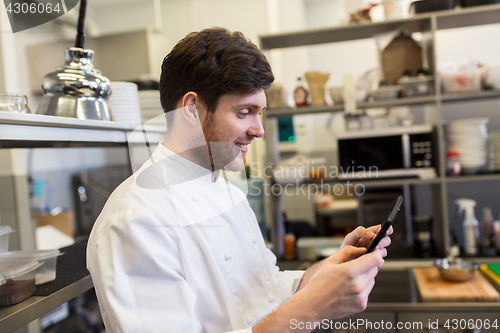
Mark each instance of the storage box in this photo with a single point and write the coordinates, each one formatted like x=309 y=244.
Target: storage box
x=462 y=81
x=5 y=231
x=386 y=92
x=62 y=221
x=48 y=259
x=416 y=86
x=20 y=281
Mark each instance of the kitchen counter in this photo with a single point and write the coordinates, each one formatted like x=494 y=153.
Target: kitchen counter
x=395 y=289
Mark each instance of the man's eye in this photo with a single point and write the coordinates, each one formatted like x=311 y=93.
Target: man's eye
x=243 y=114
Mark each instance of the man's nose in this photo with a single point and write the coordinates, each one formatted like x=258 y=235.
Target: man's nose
x=256 y=130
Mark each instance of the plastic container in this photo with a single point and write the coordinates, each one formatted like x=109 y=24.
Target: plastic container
x=48 y=259
x=20 y=281
x=416 y=86
x=4 y=238
x=462 y=81
x=386 y=92
x=393 y=9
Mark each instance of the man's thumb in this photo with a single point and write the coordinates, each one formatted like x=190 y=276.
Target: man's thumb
x=347 y=253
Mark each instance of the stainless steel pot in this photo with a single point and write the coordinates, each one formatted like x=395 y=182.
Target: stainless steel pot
x=76 y=90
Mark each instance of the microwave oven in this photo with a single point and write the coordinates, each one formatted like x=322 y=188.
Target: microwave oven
x=388 y=153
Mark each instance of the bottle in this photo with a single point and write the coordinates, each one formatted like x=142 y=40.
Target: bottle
x=496 y=232
x=453 y=166
x=289 y=244
x=288 y=241
x=470 y=226
x=487 y=236
x=300 y=94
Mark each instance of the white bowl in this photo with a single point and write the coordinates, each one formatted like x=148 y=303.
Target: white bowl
x=337 y=94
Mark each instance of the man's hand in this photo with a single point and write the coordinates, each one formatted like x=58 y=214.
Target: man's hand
x=361 y=237
x=340 y=287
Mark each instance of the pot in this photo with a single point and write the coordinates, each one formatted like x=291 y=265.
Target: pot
x=456 y=270
x=431 y=5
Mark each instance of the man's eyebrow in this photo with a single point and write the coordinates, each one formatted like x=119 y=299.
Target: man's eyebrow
x=250 y=106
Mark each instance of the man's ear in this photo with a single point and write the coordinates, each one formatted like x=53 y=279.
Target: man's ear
x=189 y=108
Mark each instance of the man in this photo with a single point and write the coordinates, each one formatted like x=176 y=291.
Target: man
x=177 y=248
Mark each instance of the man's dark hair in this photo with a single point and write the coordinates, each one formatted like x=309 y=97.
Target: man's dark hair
x=212 y=63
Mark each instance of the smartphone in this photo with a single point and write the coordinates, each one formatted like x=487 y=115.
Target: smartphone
x=387 y=224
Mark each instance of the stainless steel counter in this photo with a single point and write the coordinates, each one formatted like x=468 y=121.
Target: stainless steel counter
x=395 y=288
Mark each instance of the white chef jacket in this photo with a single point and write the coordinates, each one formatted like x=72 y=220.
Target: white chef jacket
x=173 y=251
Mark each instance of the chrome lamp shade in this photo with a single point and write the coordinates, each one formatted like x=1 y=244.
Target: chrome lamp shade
x=76 y=90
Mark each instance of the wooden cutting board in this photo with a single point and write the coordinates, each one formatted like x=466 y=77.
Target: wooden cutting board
x=433 y=288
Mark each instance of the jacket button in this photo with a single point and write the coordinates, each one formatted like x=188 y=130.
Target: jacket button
x=228 y=256
x=194 y=198
x=249 y=320
x=254 y=240
x=270 y=297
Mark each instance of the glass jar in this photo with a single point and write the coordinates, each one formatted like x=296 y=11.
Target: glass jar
x=14 y=103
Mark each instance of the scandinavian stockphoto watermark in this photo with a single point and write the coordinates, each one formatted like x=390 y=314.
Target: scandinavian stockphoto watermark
x=310 y=179
x=26 y=14
x=431 y=324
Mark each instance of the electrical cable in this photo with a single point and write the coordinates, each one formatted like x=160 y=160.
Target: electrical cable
x=80 y=37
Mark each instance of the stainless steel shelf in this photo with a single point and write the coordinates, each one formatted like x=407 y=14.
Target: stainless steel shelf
x=339 y=108
x=342 y=33
x=474 y=178
x=37 y=131
x=469 y=16
x=457 y=18
x=387 y=182
x=59 y=122
x=484 y=94
x=371 y=183
x=18 y=315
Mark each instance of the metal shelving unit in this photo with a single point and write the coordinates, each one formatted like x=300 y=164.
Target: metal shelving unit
x=39 y=131
x=36 y=131
x=282 y=112
x=428 y=24
x=17 y=315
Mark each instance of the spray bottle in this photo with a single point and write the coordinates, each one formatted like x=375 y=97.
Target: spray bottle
x=470 y=226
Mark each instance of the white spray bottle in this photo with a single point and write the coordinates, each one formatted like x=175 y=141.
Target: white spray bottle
x=470 y=226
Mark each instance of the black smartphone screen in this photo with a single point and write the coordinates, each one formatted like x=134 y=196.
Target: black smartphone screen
x=387 y=224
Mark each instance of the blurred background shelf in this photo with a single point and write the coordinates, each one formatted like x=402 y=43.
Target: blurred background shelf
x=282 y=112
x=474 y=178
x=470 y=96
x=460 y=17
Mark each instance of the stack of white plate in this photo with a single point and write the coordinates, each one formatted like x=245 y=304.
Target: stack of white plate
x=124 y=101
x=495 y=150
x=470 y=138
x=152 y=112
